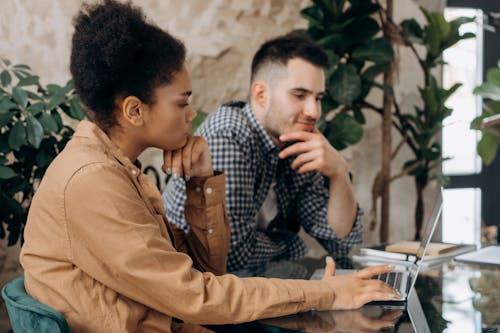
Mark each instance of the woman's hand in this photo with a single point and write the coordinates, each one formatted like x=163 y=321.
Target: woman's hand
x=192 y=160
x=354 y=290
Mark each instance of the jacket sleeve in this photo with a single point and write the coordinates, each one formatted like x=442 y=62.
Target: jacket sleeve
x=207 y=241
x=115 y=239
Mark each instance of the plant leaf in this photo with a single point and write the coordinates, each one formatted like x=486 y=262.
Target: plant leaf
x=6 y=172
x=345 y=84
x=48 y=123
x=75 y=108
x=17 y=136
x=344 y=131
x=28 y=81
x=34 y=131
x=20 y=96
x=377 y=50
x=487 y=148
x=5 y=78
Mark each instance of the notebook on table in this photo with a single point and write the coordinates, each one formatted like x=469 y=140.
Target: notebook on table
x=487 y=255
x=403 y=278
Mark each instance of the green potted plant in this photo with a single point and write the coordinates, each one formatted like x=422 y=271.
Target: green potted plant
x=32 y=133
x=349 y=33
x=487 y=147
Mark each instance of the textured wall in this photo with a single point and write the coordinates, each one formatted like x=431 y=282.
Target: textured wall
x=221 y=37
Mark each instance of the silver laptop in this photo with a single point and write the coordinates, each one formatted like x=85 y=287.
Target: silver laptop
x=405 y=275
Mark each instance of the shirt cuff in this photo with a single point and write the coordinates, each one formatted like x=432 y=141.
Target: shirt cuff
x=206 y=191
x=316 y=295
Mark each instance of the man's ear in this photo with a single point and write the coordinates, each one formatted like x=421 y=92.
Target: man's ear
x=132 y=110
x=260 y=94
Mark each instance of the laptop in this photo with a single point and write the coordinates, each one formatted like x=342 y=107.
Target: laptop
x=405 y=275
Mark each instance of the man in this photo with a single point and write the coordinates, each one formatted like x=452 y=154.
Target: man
x=282 y=173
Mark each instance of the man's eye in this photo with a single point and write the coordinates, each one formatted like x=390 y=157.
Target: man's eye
x=299 y=96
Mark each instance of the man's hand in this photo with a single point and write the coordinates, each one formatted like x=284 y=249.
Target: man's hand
x=354 y=290
x=192 y=160
x=314 y=153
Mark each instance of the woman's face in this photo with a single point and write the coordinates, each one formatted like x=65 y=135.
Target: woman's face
x=168 y=119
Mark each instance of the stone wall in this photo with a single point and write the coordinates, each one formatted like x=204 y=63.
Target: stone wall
x=221 y=37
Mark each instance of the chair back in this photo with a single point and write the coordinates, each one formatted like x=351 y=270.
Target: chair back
x=27 y=315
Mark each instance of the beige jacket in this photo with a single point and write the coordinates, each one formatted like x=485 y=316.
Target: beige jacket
x=98 y=249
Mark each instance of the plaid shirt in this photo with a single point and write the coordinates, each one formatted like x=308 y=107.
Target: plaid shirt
x=241 y=147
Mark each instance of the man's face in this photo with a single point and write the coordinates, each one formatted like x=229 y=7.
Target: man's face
x=295 y=99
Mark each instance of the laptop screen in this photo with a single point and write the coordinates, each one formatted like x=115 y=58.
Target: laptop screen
x=427 y=233
x=430 y=227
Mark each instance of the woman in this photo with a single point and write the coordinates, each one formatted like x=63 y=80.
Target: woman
x=98 y=247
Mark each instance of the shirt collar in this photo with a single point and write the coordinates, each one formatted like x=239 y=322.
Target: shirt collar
x=267 y=143
x=90 y=130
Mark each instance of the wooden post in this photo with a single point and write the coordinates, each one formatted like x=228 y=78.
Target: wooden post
x=386 y=139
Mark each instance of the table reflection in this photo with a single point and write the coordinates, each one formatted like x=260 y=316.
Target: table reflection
x=449 y=298
x=367 y=319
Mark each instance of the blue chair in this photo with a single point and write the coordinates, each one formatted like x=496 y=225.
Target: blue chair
x=27 y=315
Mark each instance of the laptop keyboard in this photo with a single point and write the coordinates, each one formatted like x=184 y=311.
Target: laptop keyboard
x=393 y=279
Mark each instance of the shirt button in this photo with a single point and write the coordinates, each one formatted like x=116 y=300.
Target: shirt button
x=210 y=231
x=198 y=189
x=134 y=172
x=209 y=190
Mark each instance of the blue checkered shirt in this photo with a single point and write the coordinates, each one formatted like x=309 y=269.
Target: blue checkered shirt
x=241 y=147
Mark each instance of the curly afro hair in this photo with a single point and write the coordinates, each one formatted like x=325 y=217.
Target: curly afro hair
x=115 y=52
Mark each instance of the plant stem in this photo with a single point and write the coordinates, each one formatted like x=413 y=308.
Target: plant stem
x=386 y=137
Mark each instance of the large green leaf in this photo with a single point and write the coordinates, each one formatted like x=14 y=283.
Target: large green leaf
x=48 y=123
x=36 y=108
x=17 y=136
x=344 y=130
x=6 y=172
x=377 y=50
x=5 y=78
x=76 y=110
x=5 y=118
x=28 y=81
x=55 y=100
x=493 y=107
x=493 y=76
x=20 y=96
x=314 y=15
x=488 y=90
x=345 y=84
x=487 y=148
x=373 y=71
x=6 y=105
x=34 y=131
x=412 y=31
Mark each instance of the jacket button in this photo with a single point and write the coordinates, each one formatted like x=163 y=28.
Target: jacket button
x=198 y=189
x=209 y=190
x=134 y=172
x=210 y=231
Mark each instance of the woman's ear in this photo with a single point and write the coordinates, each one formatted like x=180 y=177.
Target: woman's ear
x=132 y=111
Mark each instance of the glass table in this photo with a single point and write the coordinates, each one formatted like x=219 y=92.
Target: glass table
x=449 y=297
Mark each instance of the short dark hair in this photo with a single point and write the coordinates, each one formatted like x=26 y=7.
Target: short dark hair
x=115 y=51
x=284 y=48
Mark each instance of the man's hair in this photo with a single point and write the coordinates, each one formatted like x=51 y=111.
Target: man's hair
x=116 y=52
x=280 y=50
